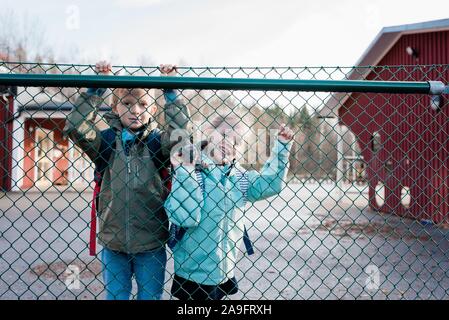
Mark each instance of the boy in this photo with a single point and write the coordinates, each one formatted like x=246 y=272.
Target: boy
x=133 y=223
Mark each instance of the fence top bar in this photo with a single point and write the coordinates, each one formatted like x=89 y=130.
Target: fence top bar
x=101 y=81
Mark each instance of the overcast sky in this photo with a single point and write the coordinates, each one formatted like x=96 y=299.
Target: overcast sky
x=221 y=32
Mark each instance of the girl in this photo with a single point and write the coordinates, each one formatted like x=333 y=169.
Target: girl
x=206 y=205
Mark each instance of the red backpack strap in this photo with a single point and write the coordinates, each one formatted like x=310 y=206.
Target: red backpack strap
x=166 y=181
x=106 y=148
x=93 y=216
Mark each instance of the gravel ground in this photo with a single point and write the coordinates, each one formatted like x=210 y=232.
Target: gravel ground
x=307 y=246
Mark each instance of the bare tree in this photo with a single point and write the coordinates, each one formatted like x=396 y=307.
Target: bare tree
x=21 y=37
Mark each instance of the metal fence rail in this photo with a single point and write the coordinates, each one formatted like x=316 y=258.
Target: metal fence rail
x=361 y=211
x=203 y=83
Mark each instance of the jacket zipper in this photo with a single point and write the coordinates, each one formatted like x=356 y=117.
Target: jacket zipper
x=127 y=223
x=226 y=227
x=225 y=223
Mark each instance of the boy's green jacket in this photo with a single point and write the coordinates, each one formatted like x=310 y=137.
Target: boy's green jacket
x=212 y=213
x=131 y=215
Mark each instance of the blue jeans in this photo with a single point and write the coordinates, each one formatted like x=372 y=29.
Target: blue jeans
x=147 y=267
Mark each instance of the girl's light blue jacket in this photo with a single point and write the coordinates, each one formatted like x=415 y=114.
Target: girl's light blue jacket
x=213 y=212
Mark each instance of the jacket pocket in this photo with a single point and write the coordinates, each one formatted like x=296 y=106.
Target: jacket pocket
x=146 y=178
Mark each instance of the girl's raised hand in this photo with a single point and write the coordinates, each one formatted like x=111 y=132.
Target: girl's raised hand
x=285 y=134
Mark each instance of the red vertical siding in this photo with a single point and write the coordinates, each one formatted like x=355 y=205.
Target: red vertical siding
x=6 y=111
x=415 y=138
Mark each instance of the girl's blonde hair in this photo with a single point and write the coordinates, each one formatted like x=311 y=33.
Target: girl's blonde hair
x=230 y=119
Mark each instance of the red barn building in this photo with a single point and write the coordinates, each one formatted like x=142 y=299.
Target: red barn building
x=403 y=141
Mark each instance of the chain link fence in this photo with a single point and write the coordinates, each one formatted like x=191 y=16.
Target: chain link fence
x=353 y=207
